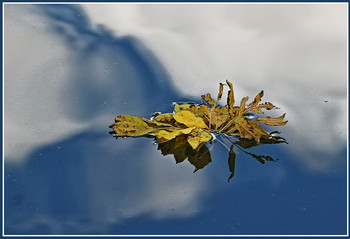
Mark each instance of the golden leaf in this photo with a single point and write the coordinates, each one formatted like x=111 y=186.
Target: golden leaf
x=178 y=108
x=189 y=119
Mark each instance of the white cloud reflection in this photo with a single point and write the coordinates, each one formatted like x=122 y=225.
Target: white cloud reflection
x=297 y=53
x=44 y=106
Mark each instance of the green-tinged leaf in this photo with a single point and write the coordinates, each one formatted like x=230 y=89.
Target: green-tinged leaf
x=197 y=137
x=130 y=126
x=231 y=162
x=208 y=99
x=272 y=121
x=185 y=106
x=176 y=108
x=165 y=135
x=189 y=119
x=164 y=118
x=230 y=98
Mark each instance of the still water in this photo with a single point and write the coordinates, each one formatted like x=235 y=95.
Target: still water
x=64 y=174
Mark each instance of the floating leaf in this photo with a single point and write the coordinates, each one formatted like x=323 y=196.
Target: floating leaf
x=130 y=126
x=258 y=108
x=272 y=121
x=185 y=131
x=250 y=129
x=189 y=119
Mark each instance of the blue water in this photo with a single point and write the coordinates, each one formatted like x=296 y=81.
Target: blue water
x=92 y=184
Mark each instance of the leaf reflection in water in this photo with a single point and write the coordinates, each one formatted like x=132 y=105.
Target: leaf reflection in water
x=200 y=158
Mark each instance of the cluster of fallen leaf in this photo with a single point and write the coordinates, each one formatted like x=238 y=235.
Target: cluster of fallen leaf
x=196 y=123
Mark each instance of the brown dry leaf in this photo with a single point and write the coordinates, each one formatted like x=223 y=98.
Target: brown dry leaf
x=257 y=99
x=230 y=98
x=258 y=108
x=250 y=129
x=221 y=89
x=218 y=117
x=242 y=106
x=208 y=99
x=272 y=121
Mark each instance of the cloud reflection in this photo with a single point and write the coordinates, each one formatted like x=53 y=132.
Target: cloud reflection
x=297 y=53
x=66 y=88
